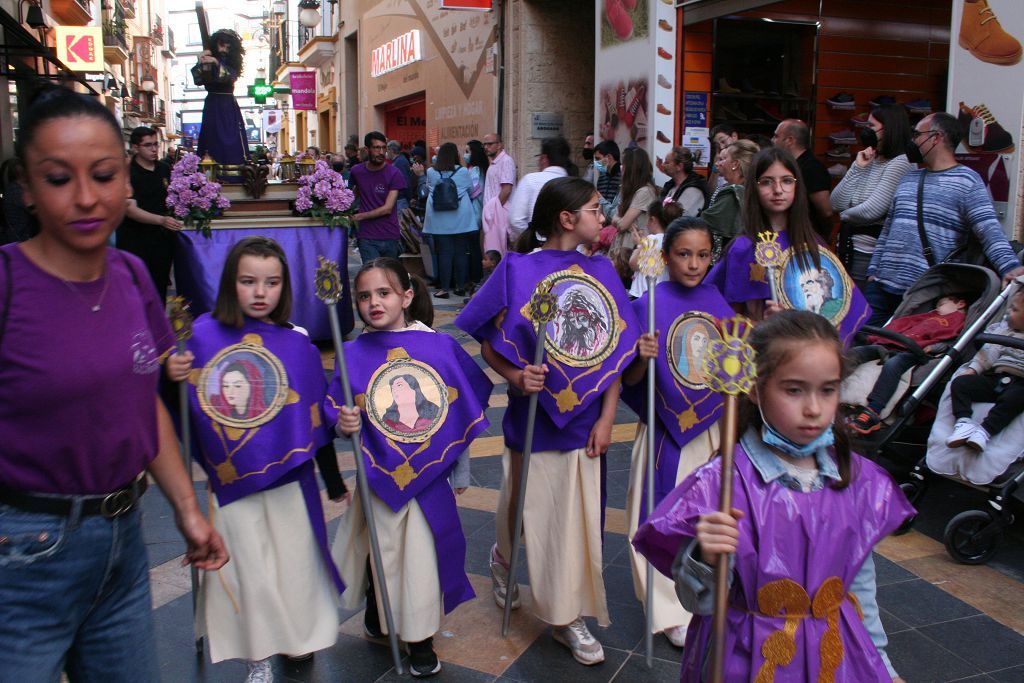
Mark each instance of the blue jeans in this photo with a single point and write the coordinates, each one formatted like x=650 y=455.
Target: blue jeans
x=883 y=303
x=74 y=596
x=371 y=249
x=453 y=255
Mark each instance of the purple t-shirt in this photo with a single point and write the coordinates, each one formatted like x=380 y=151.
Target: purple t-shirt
x=78 y=404
x=373 y=187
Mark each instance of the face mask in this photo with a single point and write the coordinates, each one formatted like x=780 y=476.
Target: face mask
x=433 y=159
x=466 y=157
x=914 y=154
x=868 y=137
x=599 y=167
x=774 y=439
x=588 y=153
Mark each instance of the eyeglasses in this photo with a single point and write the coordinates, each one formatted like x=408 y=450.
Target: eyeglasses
x=596 y=209
x=786 y=182
x=929 y=133
x=488 y=144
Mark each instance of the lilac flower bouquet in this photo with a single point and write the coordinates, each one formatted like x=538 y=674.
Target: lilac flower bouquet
x=192 y=197
x=325 y=195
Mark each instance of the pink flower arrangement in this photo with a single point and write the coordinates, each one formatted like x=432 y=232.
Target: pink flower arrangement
x=324 y=194
x=194 y=198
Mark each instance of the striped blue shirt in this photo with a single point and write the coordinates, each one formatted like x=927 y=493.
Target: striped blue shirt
x=955 y=201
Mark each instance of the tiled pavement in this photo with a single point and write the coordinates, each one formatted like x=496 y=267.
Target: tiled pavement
x=946 y=622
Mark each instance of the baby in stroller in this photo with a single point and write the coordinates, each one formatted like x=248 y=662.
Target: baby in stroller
x=929 y=331
x=995 y=375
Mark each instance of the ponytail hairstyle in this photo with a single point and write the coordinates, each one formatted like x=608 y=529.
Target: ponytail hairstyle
x=681 y=225
x=801 y=233
x=227 y=311
x=776 y=340
x=664 y=212
x=558 y=195
x=421 y=308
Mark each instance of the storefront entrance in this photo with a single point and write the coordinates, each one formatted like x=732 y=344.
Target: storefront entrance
x=405 y=120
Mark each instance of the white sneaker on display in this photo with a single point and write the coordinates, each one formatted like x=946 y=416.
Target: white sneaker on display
x=676 y=635
x=962 y=431
x=978 y=439
x=260 y=672
x=584 y=647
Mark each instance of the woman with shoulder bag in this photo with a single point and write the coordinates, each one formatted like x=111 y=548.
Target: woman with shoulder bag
x=450 y=218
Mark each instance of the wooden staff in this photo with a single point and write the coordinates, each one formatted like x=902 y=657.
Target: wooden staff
x=328 y=289
x=543 y=308
x=181 y=324
x=650 y=265
x=729 y=369
x=768 y=254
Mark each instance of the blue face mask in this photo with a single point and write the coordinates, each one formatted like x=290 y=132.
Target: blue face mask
x=466 y=157
x=774 y=439
x=599 y=166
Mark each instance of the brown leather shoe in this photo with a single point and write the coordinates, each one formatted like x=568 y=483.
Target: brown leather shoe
x=983 y=37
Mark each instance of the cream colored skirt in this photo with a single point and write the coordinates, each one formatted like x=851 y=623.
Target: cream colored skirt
x=561 y=533
x=275 y=596
x=667 y=610
x=410 y=561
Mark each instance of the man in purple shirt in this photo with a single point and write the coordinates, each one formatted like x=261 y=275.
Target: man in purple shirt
x=377 y=185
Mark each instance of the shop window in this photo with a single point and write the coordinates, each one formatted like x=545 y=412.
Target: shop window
x=762 y=73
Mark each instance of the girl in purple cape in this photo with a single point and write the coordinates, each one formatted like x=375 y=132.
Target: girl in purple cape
x=775 y=200
x=807 y=514
x=563 y=509
x=687 y=249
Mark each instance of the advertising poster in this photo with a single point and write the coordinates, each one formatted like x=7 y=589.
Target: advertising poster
x=986 y=79
x=303 y=85
x=635 y=69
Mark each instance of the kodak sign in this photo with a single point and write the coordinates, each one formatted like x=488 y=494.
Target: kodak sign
x=80 y=47
x=396 y=53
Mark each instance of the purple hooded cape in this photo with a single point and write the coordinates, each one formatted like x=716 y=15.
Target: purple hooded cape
x=798 y=553
x=739 y=277
x=255 y=399
x=589 y=343
x=684 y=406
x=422 y=401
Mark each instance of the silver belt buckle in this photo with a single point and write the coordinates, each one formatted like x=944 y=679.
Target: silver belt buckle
x=117 y=503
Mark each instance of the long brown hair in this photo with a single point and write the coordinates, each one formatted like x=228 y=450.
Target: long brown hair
x=637 y=174
x=557 y=195
x=775 y=341
x=801 y=233
x=227 y=311
x=421 y=308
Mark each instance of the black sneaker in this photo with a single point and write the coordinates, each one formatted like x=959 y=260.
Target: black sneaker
x=371 y=618
x=422 y=660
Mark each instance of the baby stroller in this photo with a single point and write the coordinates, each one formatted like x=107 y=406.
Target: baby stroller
x=973 y=536
x=907 y=419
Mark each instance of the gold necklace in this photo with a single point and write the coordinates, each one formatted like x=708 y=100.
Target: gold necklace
x=95 y=308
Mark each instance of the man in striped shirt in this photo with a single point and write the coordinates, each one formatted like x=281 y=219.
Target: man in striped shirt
x=955 y=204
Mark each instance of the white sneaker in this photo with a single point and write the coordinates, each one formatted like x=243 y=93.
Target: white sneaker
x=260 y=672
x=962 y=431
x=978 y=439
x=499 y=582
x=584 y=647
x=676 y=635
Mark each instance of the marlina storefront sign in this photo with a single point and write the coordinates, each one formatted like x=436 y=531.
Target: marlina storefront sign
x=396 y=53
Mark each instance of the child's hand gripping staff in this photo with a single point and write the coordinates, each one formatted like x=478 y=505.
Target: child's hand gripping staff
x=729 y=369
x=543 y=308
x=181 y=323
x=328 y=290
x=769 y=256
x=650 y=264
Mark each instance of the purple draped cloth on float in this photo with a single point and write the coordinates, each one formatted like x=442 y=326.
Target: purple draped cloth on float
x=739 y=277
x=198 y=262
x=222 y=134
x=590 y=342
x=686 y=319
x=255 y=402
x=423 y=401
x=798 y=554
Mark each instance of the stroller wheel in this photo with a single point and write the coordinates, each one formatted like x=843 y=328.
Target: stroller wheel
x=972 y=537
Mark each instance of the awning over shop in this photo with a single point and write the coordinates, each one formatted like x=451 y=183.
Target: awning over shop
x=695 y=11
x=17 y=44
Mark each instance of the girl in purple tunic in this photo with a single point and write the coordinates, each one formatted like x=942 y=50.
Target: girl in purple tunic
x=686 y=410
x=807 y=514
x=590 y=342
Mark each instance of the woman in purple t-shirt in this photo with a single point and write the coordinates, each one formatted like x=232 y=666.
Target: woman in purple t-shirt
x=74 y=314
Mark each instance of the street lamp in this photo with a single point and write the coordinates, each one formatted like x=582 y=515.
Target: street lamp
x=149 y=84
x=308 y=14
x=34 y=16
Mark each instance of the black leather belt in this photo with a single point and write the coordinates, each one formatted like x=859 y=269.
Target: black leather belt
x=111 y=505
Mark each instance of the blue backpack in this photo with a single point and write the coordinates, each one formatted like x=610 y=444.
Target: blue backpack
x=446 y=194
